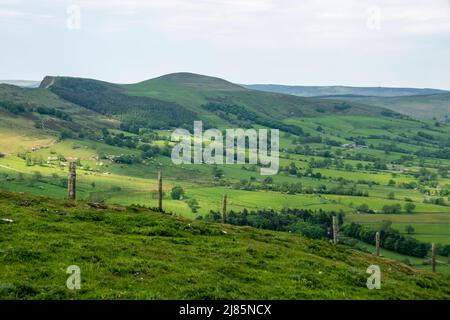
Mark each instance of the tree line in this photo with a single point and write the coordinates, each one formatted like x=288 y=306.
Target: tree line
x=312 y=224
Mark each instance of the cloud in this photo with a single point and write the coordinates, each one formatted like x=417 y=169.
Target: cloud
x=316 y=41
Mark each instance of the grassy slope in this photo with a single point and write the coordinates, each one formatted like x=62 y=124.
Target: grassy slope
x=20 y=132
x=129 y=253
x=41 y=97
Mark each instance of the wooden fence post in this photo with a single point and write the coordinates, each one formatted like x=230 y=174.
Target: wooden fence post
x=335 y=231
x=72 y=182
x=433 y=257
x=160 y=191
x=224 y=209
x=377 y=243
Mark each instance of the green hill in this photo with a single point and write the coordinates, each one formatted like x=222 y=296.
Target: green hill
x=176 y=100
x=135 y=253
x=316 y=91
x=194 y=90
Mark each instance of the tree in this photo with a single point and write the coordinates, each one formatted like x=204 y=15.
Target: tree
x=37 y=176
x=409 y=207
x=217 y=172
x=177 y=193
x=409 y=229
x=193 y=204
x=268 y=180
x=363 y=208
x=65 y=134
x=395 y=208
x=28 y=160
x=292 y=168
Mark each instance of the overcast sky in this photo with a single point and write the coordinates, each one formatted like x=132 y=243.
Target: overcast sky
x=329 y=42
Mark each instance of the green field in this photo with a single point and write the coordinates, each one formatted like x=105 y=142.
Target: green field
x=368 y=165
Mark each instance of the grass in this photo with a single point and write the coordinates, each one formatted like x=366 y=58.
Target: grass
x=134 y=253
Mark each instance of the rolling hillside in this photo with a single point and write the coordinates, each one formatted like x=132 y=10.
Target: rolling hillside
x=194 y=90
x=317 y=91
x=134 y=253
x=425 y=106
x=33 y=117
x=110 y=99
x=417 y=103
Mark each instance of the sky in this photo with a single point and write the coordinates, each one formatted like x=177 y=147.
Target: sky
x=395 y=43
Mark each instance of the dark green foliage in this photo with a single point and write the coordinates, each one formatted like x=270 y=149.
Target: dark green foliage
x=251 y=117
x=12 y=107
x=109 y=99
x=54 y=112
x=409 y=207
x=393 y=208
x=127 y=159
x=177 y=193
x=409 y=229
x=390 y=239
x=309 y=223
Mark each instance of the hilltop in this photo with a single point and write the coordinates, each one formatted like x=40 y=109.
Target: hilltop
x=135 y=253
x=194 y=90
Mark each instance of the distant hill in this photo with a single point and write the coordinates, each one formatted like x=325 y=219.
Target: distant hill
x=420 y=106
x=22 y=83
x=316 y=91
x=418 y=103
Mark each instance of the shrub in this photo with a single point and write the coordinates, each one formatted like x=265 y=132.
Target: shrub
x=177 y=193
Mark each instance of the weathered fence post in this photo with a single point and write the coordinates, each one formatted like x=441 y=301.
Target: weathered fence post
x=72 y=181
x=224 y=209
x=335 y=230
x=377 y=243
x=433 y=257
x=160 y=191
